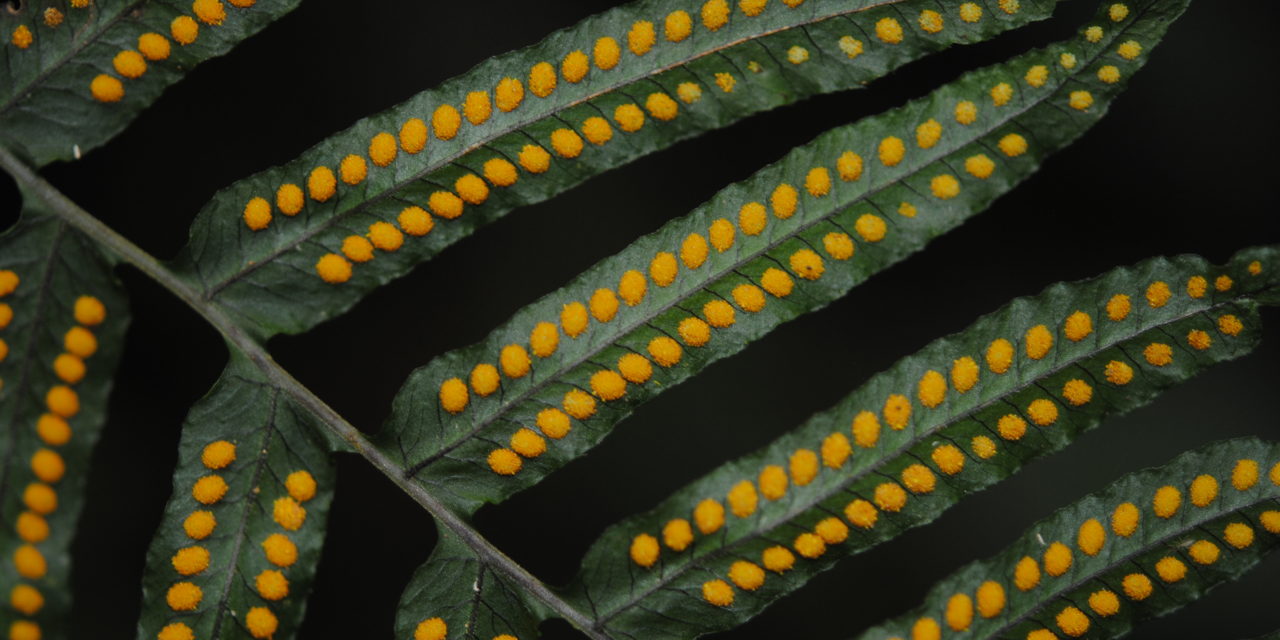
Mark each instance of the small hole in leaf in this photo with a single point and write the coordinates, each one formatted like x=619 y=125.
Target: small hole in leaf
x=14 y=6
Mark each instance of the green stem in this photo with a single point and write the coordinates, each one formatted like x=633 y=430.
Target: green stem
x=235 y=336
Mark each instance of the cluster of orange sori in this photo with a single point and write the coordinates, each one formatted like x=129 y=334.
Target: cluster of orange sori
x=507 y=95
x=931 y=392
x=1056 y=562
x=39 y=498
x=131 y=64
x=514 y=360
x=185 y=596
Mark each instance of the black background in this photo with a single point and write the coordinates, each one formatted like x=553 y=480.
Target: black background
x=1183 y=163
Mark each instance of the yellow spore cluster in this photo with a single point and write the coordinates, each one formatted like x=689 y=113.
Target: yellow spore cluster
x=288 y=513
x=21 y=37
x=261 y=622
x=889 y=31
x=1125 y=519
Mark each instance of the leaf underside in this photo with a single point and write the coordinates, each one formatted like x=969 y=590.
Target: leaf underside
x=268 y=278
x=273 y=439
x=456 y=589
x=1156 y=538
x=448 y=452
x=47 y=110
x=1004 y=416
x=55 y=266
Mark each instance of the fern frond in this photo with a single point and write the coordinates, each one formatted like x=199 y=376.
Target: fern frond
x=962 y=414
x=1150 y=543
x=236 y=550
x=74 y=75
x=292 y=246
x=62 y=323
x=481 y=423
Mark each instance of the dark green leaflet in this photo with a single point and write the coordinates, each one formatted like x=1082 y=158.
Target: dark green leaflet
x=55 y=266
x=268 y=278
x=448 y=452
x=666 y=599
x=1156 y=538
x=456 y=591
x=47 y=111
x=272 y=439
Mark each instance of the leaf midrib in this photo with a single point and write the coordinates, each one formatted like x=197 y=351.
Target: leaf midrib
x=890 y=456
x=211 y=291
x=71 y=53
x=714 y=277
